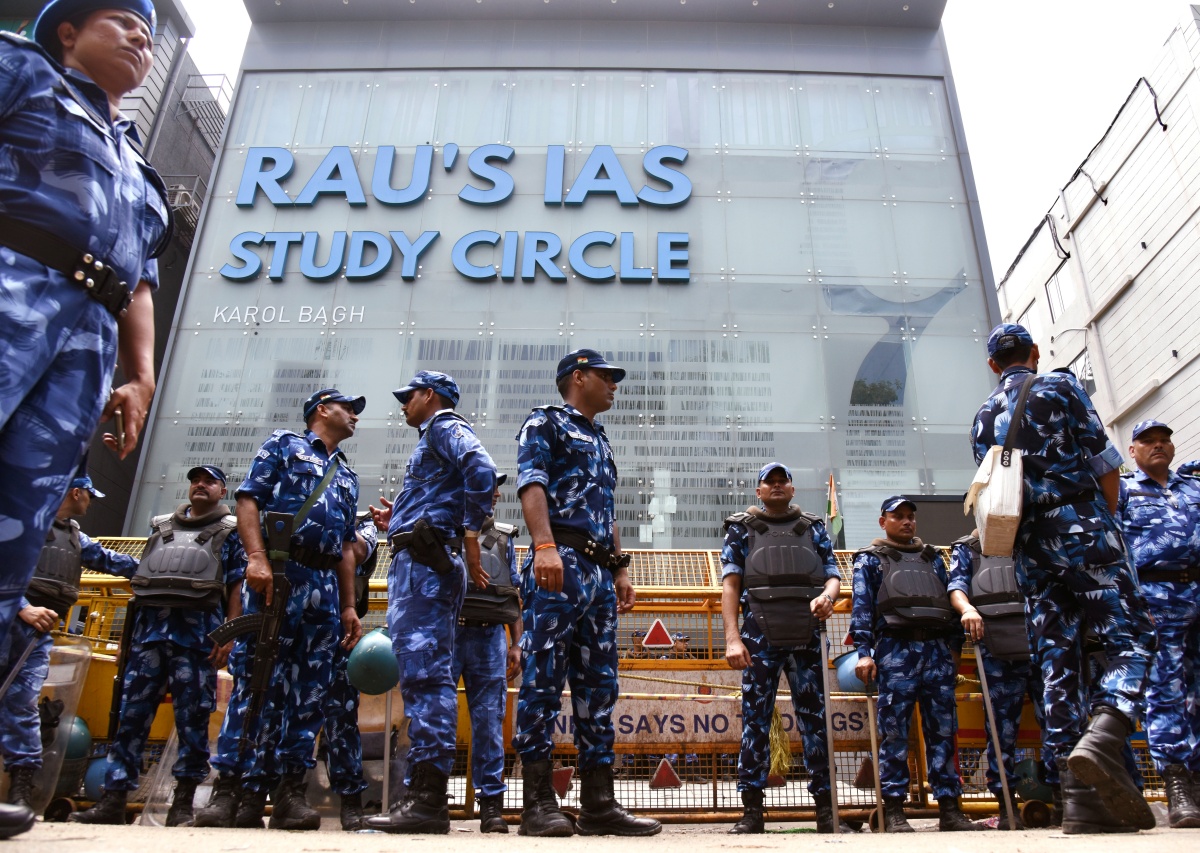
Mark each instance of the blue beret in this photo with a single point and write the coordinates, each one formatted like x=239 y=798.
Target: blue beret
x=438 y=382
x=45 y=28
x=1007 y=336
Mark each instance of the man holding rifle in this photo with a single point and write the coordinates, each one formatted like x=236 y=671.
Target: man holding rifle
x=299 y=577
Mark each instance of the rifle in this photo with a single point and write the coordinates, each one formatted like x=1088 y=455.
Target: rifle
x=118 y=691
x=265 y=625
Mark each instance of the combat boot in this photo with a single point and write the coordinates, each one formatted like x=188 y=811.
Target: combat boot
x=351 y=813
x=1097 y=760
x=1082 y=811
x=222 y=804
x=15 y=819
x=423 y=808
x=893 y=816
x=601 y=814
x=824 y=801
x=110 y=809
x=951 y=818
x=491 y=818
x=289 y=808
x=1056 y=807
x=1182 y=811
x=180 y=813
x=752 y=814
x=1004 y=823
x=250 y=808
x=20 y=786
x=541 y=816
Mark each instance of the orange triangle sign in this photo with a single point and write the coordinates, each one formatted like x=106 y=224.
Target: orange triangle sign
x=561 y=779
x=665 y=776
x=658 y=637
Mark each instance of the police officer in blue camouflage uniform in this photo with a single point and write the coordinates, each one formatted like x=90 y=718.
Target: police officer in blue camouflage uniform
x=1160 y=516
x=52 y=592
x=1003 y=640
x=433 y=529
x=287 y=470
x=81 y=217
x=904 y=629
x=341 y=737
x=192 y=564
x=575 y=581
x=1075 y=574
x=486 y=661
x=788 y=550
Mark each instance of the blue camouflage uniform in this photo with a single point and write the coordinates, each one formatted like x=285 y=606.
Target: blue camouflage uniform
x=1162 y=529
x=1070 y=557
x=68 y=169
x=169 y=653
x=285 y=472
x=1008 y=681
x=760 y=680
x=342 y=737
x=449 y=483
x=20 y=725
x=569 y=636
x=910 y=672
x=480 y=659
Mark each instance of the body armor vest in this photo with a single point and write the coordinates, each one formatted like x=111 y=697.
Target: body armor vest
x=182 y=563
x=995 y=594
x=912 y=597
x=783 y=575
x=499 y=604
x=55 y=581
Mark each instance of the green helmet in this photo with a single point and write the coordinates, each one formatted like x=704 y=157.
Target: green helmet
x=372 y=667
x=79 y=740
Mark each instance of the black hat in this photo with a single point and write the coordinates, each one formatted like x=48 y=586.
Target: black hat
x=584 y=358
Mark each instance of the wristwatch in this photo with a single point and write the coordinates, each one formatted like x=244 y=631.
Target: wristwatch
x=621 y=562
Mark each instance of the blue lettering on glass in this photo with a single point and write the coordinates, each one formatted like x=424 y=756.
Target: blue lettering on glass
x=308 y=256
x=680 y=186
x=255 y=176
x=418 y=178
x=579 y=262
x=339 y=160
x=449 y=155
x=629 y=273
x=502 y=182
x=555 y=157
x=602 y=173
x=540 y=250
x=281 y=240
x=669 y=252
x=411 y=251
x=508 y=261
x=357 y=269
x=463 y=264
x=251 y=263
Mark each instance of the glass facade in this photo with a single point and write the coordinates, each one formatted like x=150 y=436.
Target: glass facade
x=833 y=317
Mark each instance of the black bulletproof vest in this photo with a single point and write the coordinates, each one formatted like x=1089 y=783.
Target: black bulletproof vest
x=912 y=596
x=499 y=604
x=182 y=564
x=997 y=597
x=55 y=581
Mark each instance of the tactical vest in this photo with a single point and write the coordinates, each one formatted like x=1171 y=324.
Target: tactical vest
x=55 y=581
x=363 y=573
x=499 y=604
x=182 y=562
x=912 y=597
x=783 y=575
x=995 y=594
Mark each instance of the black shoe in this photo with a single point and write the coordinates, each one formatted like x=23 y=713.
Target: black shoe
x=1097 y=761
x=1004 y=823
x=180 y=813
x=601 y=814
x=15 y=819
x=824 y=801
x=352 y=813
x=541 y=817
x=491 y=814
x=1183 y=813
x=893 y=816
x=222 y=804
x=752 y=814
x=423 y=808
x=1082 y=811
x=1056 y=807
x=109 y=810
x=250 y=808
x=951 y=818
x=20 y=786
x=289 y=808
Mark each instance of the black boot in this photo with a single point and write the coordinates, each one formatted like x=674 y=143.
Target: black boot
x=1183 y=812
x=423 y=808
x=951 y=818
x=1005 y=823
x=222 y=804
x=110 y=809
x=1082 y=811
x=15 y=819
x=541 y=816
x=824 y=801
x=1097 y=760
x=289 y=808
x=20 y=786
x=1056 y=807
x=893 y=816
x=352 y=813
x=250 y=808
x=180 y=813
x=752 y=815
x=491 y=818
x=599 y=811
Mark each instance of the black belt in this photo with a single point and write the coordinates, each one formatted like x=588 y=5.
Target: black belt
x=580 y=542
x=475 y=623
x=1085 y=498
x=98 y=278
x=400 y=541
x=916 y=634
x=1168 y=576
x=312 y=558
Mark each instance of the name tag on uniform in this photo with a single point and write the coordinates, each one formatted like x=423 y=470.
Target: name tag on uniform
x=581 y=437
x=313 y=459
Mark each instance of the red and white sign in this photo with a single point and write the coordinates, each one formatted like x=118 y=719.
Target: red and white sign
x=658 y=637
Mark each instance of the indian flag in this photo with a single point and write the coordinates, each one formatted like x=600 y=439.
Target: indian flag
x=833 y=516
